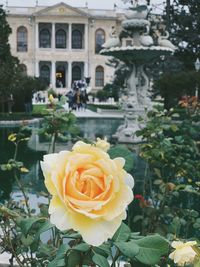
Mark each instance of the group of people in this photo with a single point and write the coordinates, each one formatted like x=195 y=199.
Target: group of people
x=77 y=99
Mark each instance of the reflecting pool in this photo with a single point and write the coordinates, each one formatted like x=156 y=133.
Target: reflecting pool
x=32 y=152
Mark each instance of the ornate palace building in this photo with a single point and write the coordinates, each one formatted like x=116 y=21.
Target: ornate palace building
x=61 y=43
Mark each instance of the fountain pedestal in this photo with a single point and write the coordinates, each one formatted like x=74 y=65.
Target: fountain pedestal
x=127 y=132
x=136 y=99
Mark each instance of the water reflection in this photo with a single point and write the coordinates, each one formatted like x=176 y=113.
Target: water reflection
x=32 y=152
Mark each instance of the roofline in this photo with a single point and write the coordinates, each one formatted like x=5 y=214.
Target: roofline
x=66 y=5
x=46 y=6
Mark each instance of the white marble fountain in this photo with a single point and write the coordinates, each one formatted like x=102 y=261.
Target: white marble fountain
x=136 y=99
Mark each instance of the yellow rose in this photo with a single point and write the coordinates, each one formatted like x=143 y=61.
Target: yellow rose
x=103 y=144
x=90 y=192
x=183 y=253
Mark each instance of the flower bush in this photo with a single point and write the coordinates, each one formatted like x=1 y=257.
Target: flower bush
x=171 y=185
x=90 y=193
x=90 y=188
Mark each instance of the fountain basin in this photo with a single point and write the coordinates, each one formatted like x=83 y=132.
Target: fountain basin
x=131 y=24
x=137 y=54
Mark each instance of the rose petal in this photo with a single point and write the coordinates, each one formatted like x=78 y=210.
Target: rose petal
x=59 y=215
x=129 y=180
x=95 y=232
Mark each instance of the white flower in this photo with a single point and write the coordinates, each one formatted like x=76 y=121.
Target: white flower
x=183 y=253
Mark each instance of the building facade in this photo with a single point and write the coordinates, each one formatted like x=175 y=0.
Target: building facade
x=61 y=43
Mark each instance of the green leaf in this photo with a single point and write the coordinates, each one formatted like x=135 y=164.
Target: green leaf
x=82 y=247
x=157 y=172
x=194 y=213
x=73 y=259
x=72 y=235
x=122 y=234
x=122 y=151
x=87 y=259
x=158 y=182
x=27 y=241
x=62 y=251
x=26 y=224
x=175 y=225
x=103 y=250
x=4 y=167
x=196 y=225
x=137 y=218
x=44 y=250
x=59 y=260
x=57 y=263
x=174 y=128
x=43 y=228
x=151 y=249
x=100 y=260
x=129 y=249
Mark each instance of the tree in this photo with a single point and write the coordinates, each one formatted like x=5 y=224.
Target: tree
x=24 y=89
x=117 y=86
x=12 y=79
x=185 y=29
x=183 y=23
x=9 y=65
x=172 y=86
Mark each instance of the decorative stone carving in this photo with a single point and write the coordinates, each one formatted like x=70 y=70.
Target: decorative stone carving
x=136 y=99
x=146 y=39
x=113 y=41
x=162 y=40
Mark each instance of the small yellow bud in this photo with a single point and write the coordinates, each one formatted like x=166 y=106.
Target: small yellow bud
x=102 y=144
x=51 y=98
x=24 y=170
x=12 y=137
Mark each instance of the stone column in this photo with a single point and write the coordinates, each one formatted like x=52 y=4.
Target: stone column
x=69 y=75
x=53 y=36
x=37 y=73
x=86 y=37
x=70 y=36
x=53 y=74
x=86 y=72
x=36 y=35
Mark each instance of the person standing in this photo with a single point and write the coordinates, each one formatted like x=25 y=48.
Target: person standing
x=84 y=99
x=78 y=99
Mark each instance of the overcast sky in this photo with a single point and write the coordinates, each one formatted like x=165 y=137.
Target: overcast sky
x=102 y=4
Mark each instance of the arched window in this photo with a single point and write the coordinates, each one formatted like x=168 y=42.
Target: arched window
x=45 y=73
x=77 y=39
x=99 y=76
x=45 y=38
x=23 y=69
x=60 y=39
x=22 y=39
x=99 y=40
x=76 y=73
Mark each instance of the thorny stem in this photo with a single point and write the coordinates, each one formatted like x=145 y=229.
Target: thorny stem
x=24 y=194
x=19 y=183
x=144 y=190
x=16 y=151
x=7 y=236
